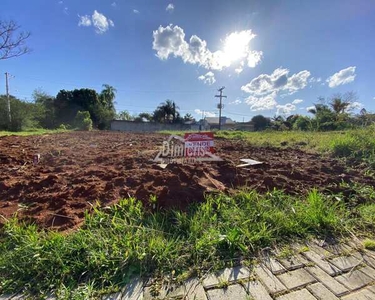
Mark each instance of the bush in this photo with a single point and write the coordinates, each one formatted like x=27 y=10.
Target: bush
x=359 y=145
x=302 y=123
x=260 y=122
x=83 y=120
x=22 y=113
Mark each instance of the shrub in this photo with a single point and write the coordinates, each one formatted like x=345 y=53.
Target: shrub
x=302 y=123
x=358 y=145
x=83 y=120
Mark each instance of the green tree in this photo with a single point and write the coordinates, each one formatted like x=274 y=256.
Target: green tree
x=167 y=112
x=260 y=122
x=83 y=120
x=302 y=123
x=188 y=117
x=107 y=96
x=146 y=116
x=324 y=117
x=46 y=109
x=22 y=114
x=341 y=103
x=124 y=115
x=100 y=106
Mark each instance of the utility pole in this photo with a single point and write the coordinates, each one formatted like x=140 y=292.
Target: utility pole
x=220 y=106
x=8 y=100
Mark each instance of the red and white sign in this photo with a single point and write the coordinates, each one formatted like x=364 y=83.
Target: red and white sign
x=199 y=144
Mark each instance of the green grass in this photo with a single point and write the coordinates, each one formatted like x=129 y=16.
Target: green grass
x=32 y=131
x=356 y=143
x=126 y=240
x=369 y=244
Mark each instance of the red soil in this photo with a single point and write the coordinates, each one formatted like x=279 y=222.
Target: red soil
x=76 y=169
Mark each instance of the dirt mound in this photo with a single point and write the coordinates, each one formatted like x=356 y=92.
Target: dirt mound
x=77 y=169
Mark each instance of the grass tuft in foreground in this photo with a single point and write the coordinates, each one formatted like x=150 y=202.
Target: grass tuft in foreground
x=125 y=240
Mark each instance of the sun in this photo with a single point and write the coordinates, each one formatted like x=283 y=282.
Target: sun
x=237 y=45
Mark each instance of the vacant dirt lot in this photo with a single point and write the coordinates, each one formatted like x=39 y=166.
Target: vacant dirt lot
x=76 y=169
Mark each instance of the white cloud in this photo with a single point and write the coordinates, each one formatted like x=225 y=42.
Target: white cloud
x=114 y=4
x=84 y=20
x=61 y=2
x=98 y=20
x=313 y=80
x=297 y=101
x=235 y=102
x=135 y=11
x=170 y=41
x=66 y=10
x=208 y=78
x=170 y=8
x=342 y=77
x=278 y=81
x=204 y=113
x=264 y=89
x=285 y=109
x=254 y=58
x=101 y=23
x=262 y=103
x=310 y=107
x=355 y=106
x=239 y=70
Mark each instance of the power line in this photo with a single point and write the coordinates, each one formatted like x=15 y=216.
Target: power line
x=220 y=105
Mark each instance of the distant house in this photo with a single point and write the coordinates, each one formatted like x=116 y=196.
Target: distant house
x=226 y=123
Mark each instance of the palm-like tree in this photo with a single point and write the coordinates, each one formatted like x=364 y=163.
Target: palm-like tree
x=339 y=106
x=108 y=95
x=188 y=117
x=167 y=111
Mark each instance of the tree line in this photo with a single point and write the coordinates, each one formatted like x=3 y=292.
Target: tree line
x=334 y=113
x=79 y=108
x=166 y=112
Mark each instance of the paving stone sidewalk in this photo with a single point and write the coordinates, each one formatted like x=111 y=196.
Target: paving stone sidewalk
x=323 y=271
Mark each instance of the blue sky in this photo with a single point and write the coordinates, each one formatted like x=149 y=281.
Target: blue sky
x=273 y=57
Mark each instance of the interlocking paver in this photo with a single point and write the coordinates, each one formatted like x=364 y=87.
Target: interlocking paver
x=235 y=291
x=363 y=257
x=321 y=292
x=334 y=286
x=295 y=279
x=372 y=288
x=294 y=262
x=313 y=246
x=227 y=275
x=323 y=264
x=166 y=292
x=345 y=263
x=361 y=295
x=297 y=295
x=195 y=290
x=273 y=265
x=354 y=280
x=133 y=290
x=270 y=281
x=368 y=271
x=116 y=296
x=256 y=290
x=338 y=249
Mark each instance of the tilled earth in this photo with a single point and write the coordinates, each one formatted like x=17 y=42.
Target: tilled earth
x=79 y=168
